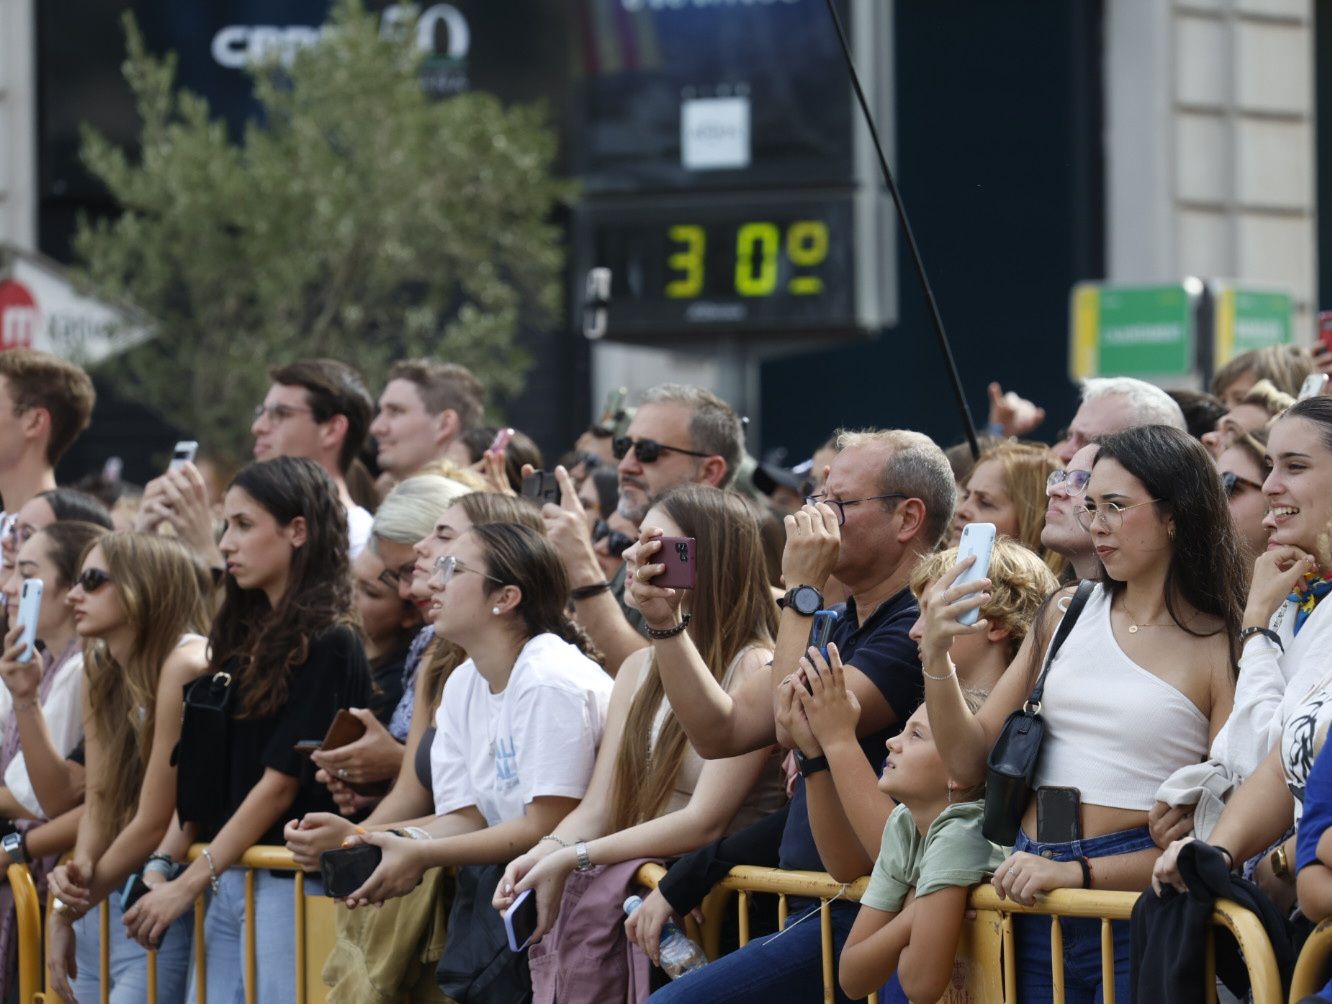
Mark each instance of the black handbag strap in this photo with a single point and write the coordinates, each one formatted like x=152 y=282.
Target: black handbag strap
x=1070 y=618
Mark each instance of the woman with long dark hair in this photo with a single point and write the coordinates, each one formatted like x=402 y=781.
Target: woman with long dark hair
x=286 y=636
x=138 y=604
x=1138 y=689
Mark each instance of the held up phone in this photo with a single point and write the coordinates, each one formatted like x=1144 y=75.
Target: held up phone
x=134 y=889
x=500 y=441
x=30 y=606
x=1314 y=384
x=820 y=630
x=977 y=540
x=346 y=869
x=183 y=453
x=520 y=921
x=1057 y=815
x=541 y=487
x=677 y=554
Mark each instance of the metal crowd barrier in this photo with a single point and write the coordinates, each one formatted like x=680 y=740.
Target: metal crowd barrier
x=985 y=971
x=315 y=935
x=1311 y=969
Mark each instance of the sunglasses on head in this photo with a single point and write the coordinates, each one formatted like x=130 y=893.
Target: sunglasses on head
x=92 y=579
x=646 y=450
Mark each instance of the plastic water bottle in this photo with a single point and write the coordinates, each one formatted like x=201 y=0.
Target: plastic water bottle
x=678 y=954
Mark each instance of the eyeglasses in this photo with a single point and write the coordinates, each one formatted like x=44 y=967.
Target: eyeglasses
x=1074 y=482
x=1112 y=515
x=841 y=504
x=92 y=579
x=616 y=542
x=278 y=413
x=646 y=450
x=448 y=566
x=1232 y=483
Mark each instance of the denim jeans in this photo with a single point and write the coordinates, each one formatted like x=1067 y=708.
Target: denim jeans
x=129 y=961
x=274 y=944
x=767 y=970
x=1082 y=937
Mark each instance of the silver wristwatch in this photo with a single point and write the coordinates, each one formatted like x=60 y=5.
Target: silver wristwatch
x=13 y=846
x=580 y=851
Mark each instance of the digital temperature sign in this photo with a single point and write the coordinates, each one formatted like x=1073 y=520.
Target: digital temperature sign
x=778 y=265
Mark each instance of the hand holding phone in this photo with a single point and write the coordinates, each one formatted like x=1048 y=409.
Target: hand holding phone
x=346 y=869
x=183 y=453
x=977 y=542
x=677 y=554
x=520 y=921
x=30 y=607
x=541 y=487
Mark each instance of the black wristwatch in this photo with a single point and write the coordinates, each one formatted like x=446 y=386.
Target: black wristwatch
x=804 y=600
x=808 y=765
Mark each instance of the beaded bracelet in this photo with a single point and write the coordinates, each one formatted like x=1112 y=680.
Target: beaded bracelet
x=662 y=634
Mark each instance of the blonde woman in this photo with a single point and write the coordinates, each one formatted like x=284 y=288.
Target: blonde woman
x=651 y=795
x=139 y=605
x=1007 y=488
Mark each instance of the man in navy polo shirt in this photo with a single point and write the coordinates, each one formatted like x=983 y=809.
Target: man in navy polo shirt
x=887 y=502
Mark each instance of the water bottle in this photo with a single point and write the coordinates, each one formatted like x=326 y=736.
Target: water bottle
x=678 y=954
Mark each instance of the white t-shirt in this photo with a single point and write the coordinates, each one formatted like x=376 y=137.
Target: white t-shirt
x=359 y=522
x=63 y=710
x=538 y=736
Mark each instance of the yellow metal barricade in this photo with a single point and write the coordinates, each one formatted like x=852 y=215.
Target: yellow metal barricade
x=316 y=932
x=985 y=970
x=1311 y=969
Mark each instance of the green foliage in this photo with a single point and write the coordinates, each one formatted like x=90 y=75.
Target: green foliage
x=360 y=219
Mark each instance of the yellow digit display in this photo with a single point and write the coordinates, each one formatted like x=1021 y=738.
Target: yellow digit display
x=766 y=239
x=806 y=247
x=688 y=261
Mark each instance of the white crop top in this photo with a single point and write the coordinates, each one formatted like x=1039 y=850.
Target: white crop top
x=1114 y=731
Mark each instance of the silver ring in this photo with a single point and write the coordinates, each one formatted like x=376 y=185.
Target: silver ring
x=342 y=773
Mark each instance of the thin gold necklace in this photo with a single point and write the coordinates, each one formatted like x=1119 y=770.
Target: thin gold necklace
x=1133 y=621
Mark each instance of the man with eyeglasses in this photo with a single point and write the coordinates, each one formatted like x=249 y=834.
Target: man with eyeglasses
x=679 y=435
x=887 y=502
x=318 y=409
x=1065 y=490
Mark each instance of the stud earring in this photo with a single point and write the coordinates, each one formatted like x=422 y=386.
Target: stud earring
x=495 y=611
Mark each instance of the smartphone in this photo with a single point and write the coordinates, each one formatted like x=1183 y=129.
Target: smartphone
x=500 y=441
x=977 y=540
x=520 y=920
x=134 y=889
x=1314 y=384
x=677 y=554
x=1057 y=815
x=183 y=453
x=821 y=630
x=346 y=869
x=541 y=487
x=30 y=606
x=307 y=746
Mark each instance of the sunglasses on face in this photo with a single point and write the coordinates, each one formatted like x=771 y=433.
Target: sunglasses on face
x=1074 y=482
x=616 y=542
x=92 y=579
x=448 y=566
x=1233 y=484
x=647 y=450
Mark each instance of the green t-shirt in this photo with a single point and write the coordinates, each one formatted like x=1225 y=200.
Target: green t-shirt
x=953 y=852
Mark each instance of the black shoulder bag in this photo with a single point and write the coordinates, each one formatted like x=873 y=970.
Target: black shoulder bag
x=202 y=755
x=1012 y=763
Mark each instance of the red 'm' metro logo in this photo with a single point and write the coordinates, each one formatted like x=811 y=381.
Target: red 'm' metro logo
x=18 y=316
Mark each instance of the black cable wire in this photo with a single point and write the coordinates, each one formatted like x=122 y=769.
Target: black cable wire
x=968 y=424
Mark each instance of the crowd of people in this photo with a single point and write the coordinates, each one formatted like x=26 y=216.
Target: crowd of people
x=395 y=630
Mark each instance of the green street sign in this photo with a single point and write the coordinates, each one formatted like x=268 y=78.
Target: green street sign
x=1250 y=319
x=1138 y=331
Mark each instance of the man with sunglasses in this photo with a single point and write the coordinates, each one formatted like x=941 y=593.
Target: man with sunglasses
x=679 y=435
x=887 y=501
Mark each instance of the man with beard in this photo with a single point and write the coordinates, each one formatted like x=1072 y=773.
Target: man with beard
x=679 y=435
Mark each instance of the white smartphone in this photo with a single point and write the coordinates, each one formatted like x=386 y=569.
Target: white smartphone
x=1314 y=384
x=183 y=453
x=978 y=541
x=30 y=605
x=520 y=920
